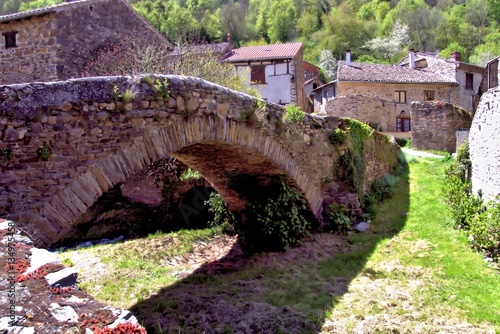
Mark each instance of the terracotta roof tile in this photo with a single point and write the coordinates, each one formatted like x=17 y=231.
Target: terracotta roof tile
x=272 y=51
x=367 y=72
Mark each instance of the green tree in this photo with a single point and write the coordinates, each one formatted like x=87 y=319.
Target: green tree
x=11 y=6
x=232 y=17
x=25 y=6
x=281 y=21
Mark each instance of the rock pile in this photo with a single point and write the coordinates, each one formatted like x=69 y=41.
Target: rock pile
x=40 y=295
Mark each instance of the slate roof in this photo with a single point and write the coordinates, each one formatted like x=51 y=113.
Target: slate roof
x=264 y=52
x=440 y=65
x=217 y=48
x=367 y=72
x=41 y=11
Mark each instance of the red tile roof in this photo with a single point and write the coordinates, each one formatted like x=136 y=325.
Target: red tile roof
x=310 y=67
x=367 y=72
x=262 y=52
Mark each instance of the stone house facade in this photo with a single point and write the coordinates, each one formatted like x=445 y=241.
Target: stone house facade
x=54 y=43
x=276 y=70
x=467 y=75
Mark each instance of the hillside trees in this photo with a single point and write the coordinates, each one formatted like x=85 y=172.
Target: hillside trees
x=363 y=26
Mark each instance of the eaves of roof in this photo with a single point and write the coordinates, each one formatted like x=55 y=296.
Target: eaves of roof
x=390 y=74
x=265 y=52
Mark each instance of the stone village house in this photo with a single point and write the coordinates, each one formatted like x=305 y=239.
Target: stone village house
x=276 y=70
x=54 y=43
x=381 y=94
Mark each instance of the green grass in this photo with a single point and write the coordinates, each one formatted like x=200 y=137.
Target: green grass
x=428 y=262
x=135 y=269
x=412 y=272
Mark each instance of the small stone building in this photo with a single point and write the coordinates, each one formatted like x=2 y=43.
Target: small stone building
x=276 y=70
x=54 y=43
x=435 y=123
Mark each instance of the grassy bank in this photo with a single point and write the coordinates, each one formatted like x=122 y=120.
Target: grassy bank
x=411 y=273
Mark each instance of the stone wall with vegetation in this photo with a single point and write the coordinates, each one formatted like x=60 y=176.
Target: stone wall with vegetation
x=63 y=144
x=484 y=143
x=381 y=114
x=434 y=125
x=34 y=58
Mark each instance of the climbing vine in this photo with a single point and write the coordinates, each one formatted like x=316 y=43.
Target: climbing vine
x=351 y=166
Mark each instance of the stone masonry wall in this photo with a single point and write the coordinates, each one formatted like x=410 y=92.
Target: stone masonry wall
x=92 y=140
x=34 y=58
x=484 y=144
x=56 y=45
x=434 y=125
x=365 y=109
x=83 y=28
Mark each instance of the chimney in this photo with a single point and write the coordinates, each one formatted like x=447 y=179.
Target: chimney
x=455 y=56
x=411 y=58
x=230 y=41
x=348 y=57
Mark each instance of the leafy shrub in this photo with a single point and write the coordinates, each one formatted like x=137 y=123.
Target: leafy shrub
x=337 y=218
x=402 y=142
x=463 y=205
x=293 y=114
x=223 y=218
x=275 y=222
x=484 y=232
x=457 y=189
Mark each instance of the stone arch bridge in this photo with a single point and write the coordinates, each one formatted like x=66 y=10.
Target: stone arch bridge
x=63 y=144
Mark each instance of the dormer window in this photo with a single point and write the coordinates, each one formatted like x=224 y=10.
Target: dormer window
x=10 y=39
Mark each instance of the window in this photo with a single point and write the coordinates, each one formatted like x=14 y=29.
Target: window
x=469 y=81
x=493 y=74
x=400 y=96
x=403 y=124
x=258 y=74
x=10 y=39
x=315 y=85
x=428 y=95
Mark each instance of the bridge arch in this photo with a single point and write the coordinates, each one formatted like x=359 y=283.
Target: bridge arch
x=98 y=141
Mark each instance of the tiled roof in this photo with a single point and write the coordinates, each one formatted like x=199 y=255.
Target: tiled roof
x=310 y=67
x=217 y=48
x=440 y=65
x=262 y=52
x=40 y=11
x=367 y=72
